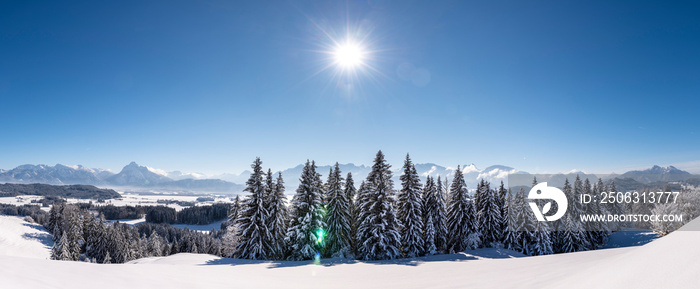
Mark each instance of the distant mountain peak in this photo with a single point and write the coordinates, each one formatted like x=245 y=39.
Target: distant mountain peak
x=659 y=170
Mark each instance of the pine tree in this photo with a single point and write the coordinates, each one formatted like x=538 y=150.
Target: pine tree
x=362 y=203
x=351 y=195
x=541 y=243
x=337 y=216
x=277 y=208
x=594 y=231
x=94 y=235
x=501 y=198
x=489 y=216
x=107 y=259
x=570 y=236
x=60 y=250
x=438 y=210
x=536 y=238
x=429 y=235
x=461 y=217
x=514 y=226
x=614 y=207
x=479 y=195
x=252 y=224
x=583 y=242
x=230 y=237
x=378 y=231
x=305 y=236
x=410 y=211
x=602 y=230
x=175 y=247
x=429 y=194
x=155 y=244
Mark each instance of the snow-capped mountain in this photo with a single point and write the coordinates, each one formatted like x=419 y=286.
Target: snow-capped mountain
x=135 y=175
x=656 y=174
x=132 y=176
x=472 y=174
x=55 y=175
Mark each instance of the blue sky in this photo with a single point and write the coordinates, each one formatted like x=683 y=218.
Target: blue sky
x=206 y=86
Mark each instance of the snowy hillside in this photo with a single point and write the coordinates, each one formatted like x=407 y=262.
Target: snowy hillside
x=22 y=239
x=669 y=262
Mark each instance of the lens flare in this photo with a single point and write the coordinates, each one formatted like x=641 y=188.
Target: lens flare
x=320 y=233
x=317 y=258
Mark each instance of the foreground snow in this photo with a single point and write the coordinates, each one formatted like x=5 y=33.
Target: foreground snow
x=668 y=262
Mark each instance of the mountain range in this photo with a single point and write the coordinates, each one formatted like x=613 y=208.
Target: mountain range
x=137 y=177
x=132 y=176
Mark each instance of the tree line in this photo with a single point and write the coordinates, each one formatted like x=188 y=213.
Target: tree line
x=376 y=222
x=79 y=235
x=195 y=215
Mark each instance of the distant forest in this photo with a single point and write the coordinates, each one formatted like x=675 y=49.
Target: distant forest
x=68 y=191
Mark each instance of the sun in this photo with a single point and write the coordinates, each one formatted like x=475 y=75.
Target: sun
x=349 y=55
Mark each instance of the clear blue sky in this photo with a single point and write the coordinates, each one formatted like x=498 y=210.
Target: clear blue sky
x=206 y=86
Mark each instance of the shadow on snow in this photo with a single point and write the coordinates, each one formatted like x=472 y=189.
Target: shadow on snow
x=469 y=255
x=43 y=238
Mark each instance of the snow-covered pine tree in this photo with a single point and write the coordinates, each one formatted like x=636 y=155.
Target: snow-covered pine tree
x=429 y=235
x=107 y=259
x=362 y=203
x=60 y=250
x=479 y=195
x=379 y=227
x=252 y=223
x=233 y=214
x=55 y=221
x=277 y=208
x=598 y=189
x=577 y=207
x=541 y=244
x=569 y=237
x=461 y=217
x=305 y=236
x=410 y=211
x=155 y=245
x=536 y=239
x=614 y=207
x=338 y=216
x=281 y=213
x=595 y=231
x=501 y=197
x=513 y=224
x=489 y=216
x=74 y=231
x=351 y=194
x=429 y=193
x=230 y=238
x=438 y=210
x=525 y=222
x=94 y=232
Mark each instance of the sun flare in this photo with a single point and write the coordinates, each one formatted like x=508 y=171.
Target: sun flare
x=349 y=55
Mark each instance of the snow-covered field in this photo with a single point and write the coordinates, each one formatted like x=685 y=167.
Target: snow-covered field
x=131 y=199
x=127 y=199
x=668 y=262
